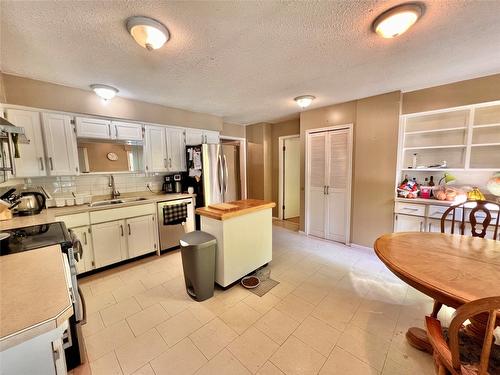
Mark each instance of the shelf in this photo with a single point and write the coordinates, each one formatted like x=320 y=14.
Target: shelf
x=435 y=130
x=486 y=126
x=450 y=169
x=432 y=147
x=485 y=144
x=433 y=169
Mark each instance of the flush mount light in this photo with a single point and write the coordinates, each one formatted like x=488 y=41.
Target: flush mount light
x=147 y=32
x=104 y=91
x=397 y=20
x=304 y=101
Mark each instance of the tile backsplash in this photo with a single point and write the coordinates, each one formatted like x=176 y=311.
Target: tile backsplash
x=95 y=184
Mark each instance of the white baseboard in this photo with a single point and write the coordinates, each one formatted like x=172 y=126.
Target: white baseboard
x=361 y=247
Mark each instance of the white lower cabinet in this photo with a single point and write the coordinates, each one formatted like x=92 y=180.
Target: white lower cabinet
x=141 y=235
x=409 y=223
x=118 y=240
x=109 y=242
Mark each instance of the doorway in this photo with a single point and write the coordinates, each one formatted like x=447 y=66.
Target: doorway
x=289 y=178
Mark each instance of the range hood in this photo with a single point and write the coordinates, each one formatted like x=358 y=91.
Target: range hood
x=7 y=127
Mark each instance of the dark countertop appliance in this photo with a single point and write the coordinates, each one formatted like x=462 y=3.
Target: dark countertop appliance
x=35 y=237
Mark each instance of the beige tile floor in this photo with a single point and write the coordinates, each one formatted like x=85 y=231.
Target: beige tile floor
x=337 y=310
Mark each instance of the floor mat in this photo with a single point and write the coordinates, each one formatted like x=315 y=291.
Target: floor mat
x=264 y=287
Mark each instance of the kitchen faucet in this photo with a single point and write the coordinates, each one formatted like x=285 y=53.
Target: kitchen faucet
x=114 y=193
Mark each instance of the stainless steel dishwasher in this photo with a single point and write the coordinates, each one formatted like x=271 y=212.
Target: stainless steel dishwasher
x=171 y=234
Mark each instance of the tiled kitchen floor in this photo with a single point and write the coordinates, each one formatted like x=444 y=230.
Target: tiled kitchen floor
x=337 y=310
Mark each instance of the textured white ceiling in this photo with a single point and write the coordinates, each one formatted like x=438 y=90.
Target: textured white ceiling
x=246 y=60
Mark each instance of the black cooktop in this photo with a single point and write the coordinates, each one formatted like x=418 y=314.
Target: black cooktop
x=34 y=237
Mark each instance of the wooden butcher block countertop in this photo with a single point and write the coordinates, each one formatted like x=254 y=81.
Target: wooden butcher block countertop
x=244 y=207
x=34 y=296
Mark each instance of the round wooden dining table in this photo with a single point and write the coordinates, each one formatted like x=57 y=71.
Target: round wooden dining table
x=451 y=268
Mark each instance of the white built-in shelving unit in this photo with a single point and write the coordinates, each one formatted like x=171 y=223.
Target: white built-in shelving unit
x=467 y=138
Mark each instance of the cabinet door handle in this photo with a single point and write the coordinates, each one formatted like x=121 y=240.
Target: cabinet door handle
x=109 y=131
x=170 y=162
x=129 y=231
x=85 y=237
x=421 y=225
x=430 y=225
x=165 y=163
x=51 y=163
x=116 y=132
x=121 y=228
x=324 y=189
x=327 y=190
x=41 y=164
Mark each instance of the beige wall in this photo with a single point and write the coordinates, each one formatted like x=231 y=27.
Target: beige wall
x=374 y=173
x=338 y=114
x=479 y=90
x=233 y=130
x=279 y=129
x=39 y=94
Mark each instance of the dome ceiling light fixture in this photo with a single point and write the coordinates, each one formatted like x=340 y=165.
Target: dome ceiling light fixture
x=304 y=101
x=104 y=91
x=147 y=32
x=397 y=20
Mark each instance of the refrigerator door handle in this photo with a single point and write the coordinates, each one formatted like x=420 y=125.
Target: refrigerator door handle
x=226 y=175
x=220 y=174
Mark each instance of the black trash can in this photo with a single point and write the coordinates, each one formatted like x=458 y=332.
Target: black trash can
x=198 y=262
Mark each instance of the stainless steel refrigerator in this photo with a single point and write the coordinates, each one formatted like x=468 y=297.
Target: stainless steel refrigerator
x=214 y=171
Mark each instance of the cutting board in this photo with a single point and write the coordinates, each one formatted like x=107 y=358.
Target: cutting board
x=224 y=207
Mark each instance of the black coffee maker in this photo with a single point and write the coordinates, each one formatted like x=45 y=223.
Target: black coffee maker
x=169 y=184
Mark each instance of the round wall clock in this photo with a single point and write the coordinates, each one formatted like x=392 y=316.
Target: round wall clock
x=112 y=156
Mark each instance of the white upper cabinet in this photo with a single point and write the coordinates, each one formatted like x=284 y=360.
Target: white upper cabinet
x=60 y=145
x=126 y=131
x=176 y=149
x=194 y=137
x=32 y=161
x=198 y=136
x=155 y=149
x=211 y=137
x=87 y=127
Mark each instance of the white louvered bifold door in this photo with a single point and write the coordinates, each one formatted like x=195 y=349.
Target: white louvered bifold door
x=317 y=183
x=337 y=184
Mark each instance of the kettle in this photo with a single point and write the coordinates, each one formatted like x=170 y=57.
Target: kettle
x=30 y=203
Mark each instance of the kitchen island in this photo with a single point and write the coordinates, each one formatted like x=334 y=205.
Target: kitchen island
x=243 y=230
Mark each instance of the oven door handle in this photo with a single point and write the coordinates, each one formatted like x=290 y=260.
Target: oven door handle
x=83 y=320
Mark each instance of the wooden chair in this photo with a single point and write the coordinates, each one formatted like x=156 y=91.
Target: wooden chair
x=447 y=354
x=478 y=227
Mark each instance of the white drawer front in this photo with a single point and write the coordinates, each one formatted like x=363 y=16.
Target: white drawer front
x=75 y=220
x=121 y=213
x=410 y=209
x=436 y=212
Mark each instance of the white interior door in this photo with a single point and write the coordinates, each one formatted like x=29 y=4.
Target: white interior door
x=317 y=184
x=31 y=162
x=337 y=184
x=291 y=180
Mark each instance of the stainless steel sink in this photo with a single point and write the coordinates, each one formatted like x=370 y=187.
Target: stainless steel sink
x=116 y=201
x=134 y=199
x=107 y=202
